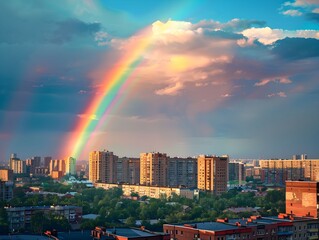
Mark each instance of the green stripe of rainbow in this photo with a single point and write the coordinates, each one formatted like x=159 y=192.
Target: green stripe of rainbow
x=113 y=83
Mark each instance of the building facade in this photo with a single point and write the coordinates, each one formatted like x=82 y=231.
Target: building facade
x=6 y=175
x=102 y=167
x=17 y=165
x=182 y=172
x=20 y=217
x=283 y=227
x=6 y=190
x=57 y=165
x=302 y=198
x=128 y=170
x=277 y=171
x=212 y=173
x=70 y=166
x=153 y=169
x=151 y=191
x=236 y=172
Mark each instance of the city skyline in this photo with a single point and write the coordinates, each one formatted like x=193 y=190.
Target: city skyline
x=184 y=77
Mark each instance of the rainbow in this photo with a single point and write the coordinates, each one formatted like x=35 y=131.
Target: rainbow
x=113 y=83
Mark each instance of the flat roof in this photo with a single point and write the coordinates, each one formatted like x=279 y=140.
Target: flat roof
x=130 y=232
x=210 y=226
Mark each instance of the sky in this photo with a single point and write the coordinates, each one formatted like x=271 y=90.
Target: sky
x=184 y=77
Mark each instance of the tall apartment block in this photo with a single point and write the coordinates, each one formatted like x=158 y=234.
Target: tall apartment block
x=212 y=173
x=47 y=161
x=57 y=168
x=302 y=198
x=102 y=167
x=16 y=164
x=32 y=164
x=128 y=170
x=182 y=172
x=153 y=169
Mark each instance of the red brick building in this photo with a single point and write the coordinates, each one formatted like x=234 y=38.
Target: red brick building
x=127 y=234
x=282 y=227
x=302 y=198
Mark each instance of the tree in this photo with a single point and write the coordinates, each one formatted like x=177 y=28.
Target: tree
x=37 y=221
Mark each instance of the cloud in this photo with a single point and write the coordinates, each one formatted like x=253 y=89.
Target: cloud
x=278 y=94
x=313 y=16
x=68 y=29
x=269 y=36
x=234 y=25
x=300 y=8
x=41 y=23
x=296 y=48
x=170 y=90
x=292 y=13
x=282 y=80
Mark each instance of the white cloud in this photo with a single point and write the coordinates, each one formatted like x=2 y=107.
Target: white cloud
x=292 y=12
x=268 y=36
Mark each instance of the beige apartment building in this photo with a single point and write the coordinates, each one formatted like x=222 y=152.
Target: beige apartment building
x=212 y=173
x=153 y=169
x=102 y=167
x=277 y=171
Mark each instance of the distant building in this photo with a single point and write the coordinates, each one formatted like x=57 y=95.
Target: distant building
x=57 y=165
x=20 y=217
x=236 y=172
x=182 y=172
x=128 y=170
x=151 y=191
x=41 y=171
x=102 y=167
x=56 y=174
x=302 y=198
x=47 y=161
x=32 y=164
x=256 y=172
x=153 y=169
x=6 y=190
x=6 y=175
x=212 y=173
x=17 y=165
x=70 y=166
x=277 y=171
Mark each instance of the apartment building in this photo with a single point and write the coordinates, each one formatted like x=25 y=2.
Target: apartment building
x=212 y=173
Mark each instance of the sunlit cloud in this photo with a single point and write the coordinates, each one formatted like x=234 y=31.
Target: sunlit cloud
x=268 y=36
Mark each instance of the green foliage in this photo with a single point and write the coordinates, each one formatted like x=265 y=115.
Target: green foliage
x=111 y=206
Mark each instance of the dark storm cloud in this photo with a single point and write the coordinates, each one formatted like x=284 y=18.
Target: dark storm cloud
x=223 y=35
x=313 y=16
x=70 y=28
x=297 y=48
x=37 y=24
